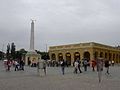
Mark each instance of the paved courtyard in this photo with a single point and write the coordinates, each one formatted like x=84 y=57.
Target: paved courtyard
x=54 y=80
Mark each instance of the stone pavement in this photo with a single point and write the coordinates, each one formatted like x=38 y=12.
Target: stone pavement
x=54 y=80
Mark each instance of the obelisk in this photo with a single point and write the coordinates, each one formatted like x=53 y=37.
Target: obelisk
x=32 y=37
x=32 y=57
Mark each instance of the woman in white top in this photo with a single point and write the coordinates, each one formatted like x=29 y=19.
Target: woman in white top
x=76 y=67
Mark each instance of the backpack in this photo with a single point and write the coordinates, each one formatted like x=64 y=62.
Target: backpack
x=85 y=62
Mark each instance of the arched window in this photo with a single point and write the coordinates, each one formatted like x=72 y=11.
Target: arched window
x=110 y=55
x=96 y=55
x=68 y=58
x=53 y=56
x=76 y=55
x=113 y=56
x=117 y=58
x=60 y=56
x=106 y=55
x=87 y=55
x=101 y=54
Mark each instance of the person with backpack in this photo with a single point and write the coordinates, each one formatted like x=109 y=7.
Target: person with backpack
x=16 y=65
x=79 y=65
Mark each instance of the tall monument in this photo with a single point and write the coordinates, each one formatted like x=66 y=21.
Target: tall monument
x=32 y=37
x=32 y=57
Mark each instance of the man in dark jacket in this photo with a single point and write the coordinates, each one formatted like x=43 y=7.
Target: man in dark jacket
x=22 y=65
x=107 y=66
x=63 y=66
x=79 y=66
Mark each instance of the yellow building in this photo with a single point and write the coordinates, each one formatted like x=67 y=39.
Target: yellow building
x=89 y=50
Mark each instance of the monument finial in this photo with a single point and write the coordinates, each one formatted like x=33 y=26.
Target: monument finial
x=33 y=20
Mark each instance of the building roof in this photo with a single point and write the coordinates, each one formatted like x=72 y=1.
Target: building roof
x=82 y=45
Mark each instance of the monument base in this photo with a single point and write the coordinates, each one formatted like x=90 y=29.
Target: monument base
x=32 y=58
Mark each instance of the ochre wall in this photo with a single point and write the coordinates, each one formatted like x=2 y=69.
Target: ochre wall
x=91 y=48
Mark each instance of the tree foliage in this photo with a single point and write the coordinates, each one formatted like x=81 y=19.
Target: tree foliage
x=13 y=53
x=20 y=53
x=1 y=55
x=8 y=52
x=44 y=55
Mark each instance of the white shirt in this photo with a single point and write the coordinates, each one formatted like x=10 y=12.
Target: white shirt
x=76 y=64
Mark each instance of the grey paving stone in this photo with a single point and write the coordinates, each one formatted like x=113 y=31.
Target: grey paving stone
x=54 y=80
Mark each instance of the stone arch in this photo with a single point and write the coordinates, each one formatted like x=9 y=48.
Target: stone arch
x=116 y=58
x=110 y=56
x=60 y=56
x=87 y=55
x=53 y=56
x=101 y=54
x=28 y=61
x=119 y=58
x=96 y=55
x=106 y=55
x=76 y=55
x=113 y=56
x=68 y=58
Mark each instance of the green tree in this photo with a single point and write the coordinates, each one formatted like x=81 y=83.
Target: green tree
x=1 y=55
x=13 y=53
x=20 y=53
x=44 y=55
x=8 y=52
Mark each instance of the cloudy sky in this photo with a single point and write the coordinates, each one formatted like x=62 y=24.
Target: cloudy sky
x=59 y=22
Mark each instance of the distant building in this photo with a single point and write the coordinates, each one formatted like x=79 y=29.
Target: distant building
x=89 y=50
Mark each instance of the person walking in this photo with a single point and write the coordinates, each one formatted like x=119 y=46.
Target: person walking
x=76 y=66
x=63 y=66
x=22 y=65
x=113 y=62
x=8 y=65
x=79 y=65
x=107 y=66
x=44 y=67
x=85 y=64
x=99 y=63
x=16 y=65
x=93 y=65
